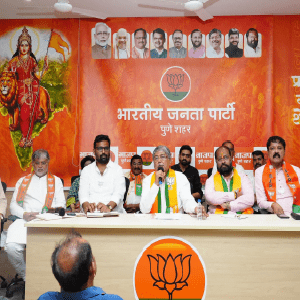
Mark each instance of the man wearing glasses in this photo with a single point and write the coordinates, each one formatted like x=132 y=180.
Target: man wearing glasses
x=191 y=173
x=101 y=49
x=102 y=183
x=139 y=50
x=166 y=190
x=228 y=191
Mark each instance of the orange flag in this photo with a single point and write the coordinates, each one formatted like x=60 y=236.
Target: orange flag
x=57 y=43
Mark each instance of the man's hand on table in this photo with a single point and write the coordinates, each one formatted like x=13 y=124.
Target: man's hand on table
x=103 y=208
x=132 y=208
x=277 y=209
x=28 y=216
x=203 y=211
x=226 y=205
x=88 y=207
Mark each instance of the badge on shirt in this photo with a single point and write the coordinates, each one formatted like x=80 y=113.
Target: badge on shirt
x=138 y=189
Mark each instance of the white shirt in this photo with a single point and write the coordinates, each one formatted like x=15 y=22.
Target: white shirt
x=132 y=198
x=250 y=52
x=186 y=201
x=34 y=201
x=123 y=53
x=110 y=186
x=211 y=53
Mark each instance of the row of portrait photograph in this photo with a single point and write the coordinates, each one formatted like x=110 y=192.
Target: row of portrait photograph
x=234 y=44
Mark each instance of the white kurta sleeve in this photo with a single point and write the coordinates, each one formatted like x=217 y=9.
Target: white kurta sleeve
x=119 y=186
x=148 y=195
x=16 y=209
x=59 y=196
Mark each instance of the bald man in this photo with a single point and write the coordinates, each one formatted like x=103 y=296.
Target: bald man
x=74 y=267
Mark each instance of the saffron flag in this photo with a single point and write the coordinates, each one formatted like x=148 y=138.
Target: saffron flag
x=57 y=43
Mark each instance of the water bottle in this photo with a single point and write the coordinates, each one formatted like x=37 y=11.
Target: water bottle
x=199 y=210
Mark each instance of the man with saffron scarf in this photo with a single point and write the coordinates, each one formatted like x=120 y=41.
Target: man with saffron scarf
x=277 y=183
x=228 y=191
x=136 y=176
x=166 y=190
x=34 y=193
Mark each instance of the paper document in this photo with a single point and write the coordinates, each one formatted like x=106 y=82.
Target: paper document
x=48 y=217
x=161 y=216
x=102 y=215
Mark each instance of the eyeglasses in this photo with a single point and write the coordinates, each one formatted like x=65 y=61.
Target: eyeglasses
x=162 y=157
x=106 y=149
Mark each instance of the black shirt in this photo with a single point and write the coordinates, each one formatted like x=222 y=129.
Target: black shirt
x=234 y=51
x=192 y=175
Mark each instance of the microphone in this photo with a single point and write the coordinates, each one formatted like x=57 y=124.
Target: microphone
x=60 y=210
x=159 y=178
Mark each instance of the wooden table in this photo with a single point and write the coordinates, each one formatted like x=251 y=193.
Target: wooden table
x=253 y=258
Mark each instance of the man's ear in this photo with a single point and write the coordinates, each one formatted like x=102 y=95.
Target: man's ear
x=93 y=267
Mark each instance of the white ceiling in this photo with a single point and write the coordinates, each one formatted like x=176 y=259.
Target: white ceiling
x=38 y=9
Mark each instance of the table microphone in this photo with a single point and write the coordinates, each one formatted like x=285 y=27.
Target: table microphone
x=159 y=178
x=60 y=210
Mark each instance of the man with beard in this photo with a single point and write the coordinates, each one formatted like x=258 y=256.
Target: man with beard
x=136 y=177
x=166 y=190
x=140 y=40
x=251 y=48
x=215 y=41
x=191 y=173
x=233 y=50
x=35 y=193
x=228 y=191
x=101 y=49
x=277 y=182
x=158 y=39
x=178 y=51
x=198 y=50
x=102 y=183
x=120 y=48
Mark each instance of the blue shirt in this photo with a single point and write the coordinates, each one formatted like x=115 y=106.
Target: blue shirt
x=93 y=292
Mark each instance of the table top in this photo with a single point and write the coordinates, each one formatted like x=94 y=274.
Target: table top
x=268 y=222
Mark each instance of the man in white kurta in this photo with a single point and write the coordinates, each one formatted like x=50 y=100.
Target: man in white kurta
x=102 y=183
x=185 y=200
x=33 y=203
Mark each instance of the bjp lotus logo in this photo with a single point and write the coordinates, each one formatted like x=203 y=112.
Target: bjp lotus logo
x=175 y=84
x=169 y=268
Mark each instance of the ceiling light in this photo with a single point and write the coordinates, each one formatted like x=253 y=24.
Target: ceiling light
x=63 y=7
x=193 y=5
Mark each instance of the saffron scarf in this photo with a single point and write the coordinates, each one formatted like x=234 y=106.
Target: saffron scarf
x=50 y=191
x=170 y=194
x=235 y=184
x=292 y=181
x=138 y=182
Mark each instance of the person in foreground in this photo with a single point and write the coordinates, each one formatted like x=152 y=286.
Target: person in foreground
x=34 y=194
x=277 y=182
x=3 y=204
x=171 y=194
x=74 y=267
x=228 y=190
x=102 y=183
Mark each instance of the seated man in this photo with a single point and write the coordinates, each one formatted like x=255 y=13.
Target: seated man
x=3 y=204
x=74 y=267
x=102 y=183
x=230 y=146
x=136 y=176
x=228 y=190
x=166 y=190
x=191 y=173
x=34 y=194
x=277 y=182
x=73 y=202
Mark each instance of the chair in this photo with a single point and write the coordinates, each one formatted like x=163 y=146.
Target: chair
x=127 y=183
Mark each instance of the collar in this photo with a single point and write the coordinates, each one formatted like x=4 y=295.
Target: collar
x=110 y=164
x=88 y=293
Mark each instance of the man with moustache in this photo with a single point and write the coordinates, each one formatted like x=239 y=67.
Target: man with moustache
x=178 y=51
x=140 y=40
x=166 y=190
x=230 y=146
x=101 y=49
x=198 y=50
x=158 y=37
x=120 y=49
x=34 y=194
x=251 y=48
x=277 y=182
x=191 y=173
x=233 y=50
x=136 y=177
x=228 y=191
x=102 y=183
x=215 y=41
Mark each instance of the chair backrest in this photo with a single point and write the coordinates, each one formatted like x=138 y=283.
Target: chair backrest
x=127 y=183
x=4 y=185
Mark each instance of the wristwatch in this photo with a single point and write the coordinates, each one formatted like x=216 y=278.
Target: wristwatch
x=109 y=206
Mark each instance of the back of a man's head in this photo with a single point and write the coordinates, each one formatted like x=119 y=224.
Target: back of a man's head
x=71 y=263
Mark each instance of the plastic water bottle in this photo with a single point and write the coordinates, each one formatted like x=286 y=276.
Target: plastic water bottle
x=199 y=210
